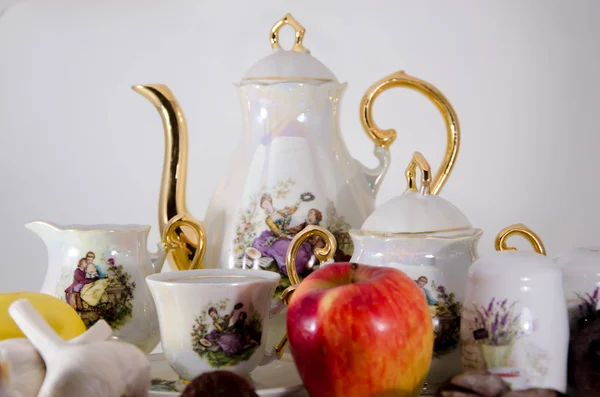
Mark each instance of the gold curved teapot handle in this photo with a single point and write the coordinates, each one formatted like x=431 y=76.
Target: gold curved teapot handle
x=523 y=231
x=384 y=138
x=177 y=243
x=288 y=19
x=323 y=254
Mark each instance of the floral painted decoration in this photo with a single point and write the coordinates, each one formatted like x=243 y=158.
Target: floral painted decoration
x=497 y=323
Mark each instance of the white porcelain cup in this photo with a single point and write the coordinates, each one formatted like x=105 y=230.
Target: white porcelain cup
x=514 y=316
x=215 y=319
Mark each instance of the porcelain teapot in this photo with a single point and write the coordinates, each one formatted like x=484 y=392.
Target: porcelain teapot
x=431 y=240
x=290 y=169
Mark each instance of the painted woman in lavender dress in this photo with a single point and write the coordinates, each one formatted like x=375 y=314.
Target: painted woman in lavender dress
x=230 y=342
x=274 y=241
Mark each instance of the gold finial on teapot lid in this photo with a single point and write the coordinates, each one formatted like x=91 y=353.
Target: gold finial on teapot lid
x=294 y=65
x=288 y=19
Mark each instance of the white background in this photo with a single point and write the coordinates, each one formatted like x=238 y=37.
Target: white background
x=79 y=146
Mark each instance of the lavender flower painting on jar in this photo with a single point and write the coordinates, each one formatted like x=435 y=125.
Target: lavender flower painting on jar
x=496 y=329
x=497 y=337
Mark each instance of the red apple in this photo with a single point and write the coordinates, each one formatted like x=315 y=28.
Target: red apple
x=359 y=330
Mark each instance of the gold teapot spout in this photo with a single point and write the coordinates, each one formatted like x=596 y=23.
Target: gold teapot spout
x=172 y=204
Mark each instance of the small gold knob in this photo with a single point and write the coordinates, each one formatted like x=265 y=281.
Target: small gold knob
x=288 y=19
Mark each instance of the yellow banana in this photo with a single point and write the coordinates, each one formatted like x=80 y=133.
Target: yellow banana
x=57 y=313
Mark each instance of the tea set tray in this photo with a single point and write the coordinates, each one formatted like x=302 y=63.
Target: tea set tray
x=277 y=379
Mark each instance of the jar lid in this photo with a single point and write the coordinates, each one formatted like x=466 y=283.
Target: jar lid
x=295 y=65
x=417 y=210
x=502 y=261
x=579 y=257
x=507 y=260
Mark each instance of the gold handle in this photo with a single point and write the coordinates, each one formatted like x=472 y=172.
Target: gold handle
x=523 y=231
x=288 y=19
x=418 y=160
x=323 y=254
x=177 y=243
x=384 y=138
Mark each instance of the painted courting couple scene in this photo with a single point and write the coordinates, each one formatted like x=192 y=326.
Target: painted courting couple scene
x=445 y=311
x=268 y=240
x=100 y=292
x=226 y=338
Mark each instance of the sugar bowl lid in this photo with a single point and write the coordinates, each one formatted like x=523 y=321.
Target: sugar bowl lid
x=417 y=210
x=294 y=65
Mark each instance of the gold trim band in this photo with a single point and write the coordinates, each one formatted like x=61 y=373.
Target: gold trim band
x=416 y=234
x=214 y=276
x=296 y=78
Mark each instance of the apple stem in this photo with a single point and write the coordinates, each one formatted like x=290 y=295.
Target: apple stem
x=354 y=267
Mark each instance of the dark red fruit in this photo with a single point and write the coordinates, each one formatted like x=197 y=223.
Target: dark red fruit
x=219 y=384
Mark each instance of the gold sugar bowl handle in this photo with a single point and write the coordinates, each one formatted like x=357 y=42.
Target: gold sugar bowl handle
x=177 y=242
x=323 y=254
x=288 y=19
x=384 y=138
x=520 y=230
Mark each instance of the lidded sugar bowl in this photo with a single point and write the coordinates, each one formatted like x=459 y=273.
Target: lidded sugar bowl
x=432 y=241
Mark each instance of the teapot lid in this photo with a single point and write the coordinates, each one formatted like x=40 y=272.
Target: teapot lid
x=295 y=65
x=417 y=210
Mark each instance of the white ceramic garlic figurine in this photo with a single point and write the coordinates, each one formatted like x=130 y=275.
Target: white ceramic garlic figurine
x=105 y=368
x=22 y=369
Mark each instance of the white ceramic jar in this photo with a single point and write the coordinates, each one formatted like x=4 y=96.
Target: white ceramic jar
x=514 y=317
x=581 y=283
